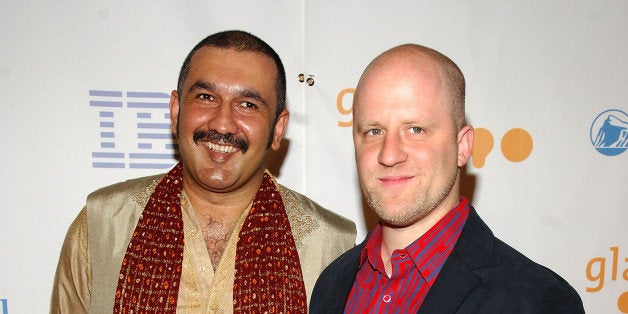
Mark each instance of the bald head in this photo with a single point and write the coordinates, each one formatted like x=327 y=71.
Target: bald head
x=419 y=59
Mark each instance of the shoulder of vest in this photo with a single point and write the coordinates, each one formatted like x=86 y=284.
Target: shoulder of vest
x=138 y=189
x=304 y=206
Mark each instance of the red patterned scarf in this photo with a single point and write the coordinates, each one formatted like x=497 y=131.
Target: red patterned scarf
x=268 y=275
x=151 y=267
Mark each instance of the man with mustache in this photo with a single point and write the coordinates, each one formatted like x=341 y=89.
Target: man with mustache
x=431 y=252
x=217 y=233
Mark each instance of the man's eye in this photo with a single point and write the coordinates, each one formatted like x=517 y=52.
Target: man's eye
x=249 y=105
x=416 y=129
x=206 y=97
x=374 y=132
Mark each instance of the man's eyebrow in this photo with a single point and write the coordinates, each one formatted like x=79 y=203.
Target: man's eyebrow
x=361 y=125
x=252 y=94
x=202 y=85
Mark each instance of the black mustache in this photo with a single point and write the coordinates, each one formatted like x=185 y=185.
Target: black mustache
x=215 y=136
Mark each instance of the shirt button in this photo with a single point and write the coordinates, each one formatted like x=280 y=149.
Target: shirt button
x=202 y=268
x=193 y=233
x=386 y=298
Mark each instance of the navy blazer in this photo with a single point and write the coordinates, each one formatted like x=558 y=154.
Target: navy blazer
x=481 y=275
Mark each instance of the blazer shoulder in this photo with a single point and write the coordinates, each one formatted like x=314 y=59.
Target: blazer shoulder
x=510 y=281
x=552 y=293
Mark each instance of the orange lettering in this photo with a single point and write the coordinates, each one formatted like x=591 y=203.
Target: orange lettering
x=341 y=108
x=599 y=277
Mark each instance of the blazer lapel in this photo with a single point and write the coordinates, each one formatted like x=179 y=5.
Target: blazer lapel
x=452 y=286
x=344 y=286
x=457 y=279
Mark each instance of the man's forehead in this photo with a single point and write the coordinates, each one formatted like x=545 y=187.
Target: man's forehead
x=230 y=56
x=232 y=52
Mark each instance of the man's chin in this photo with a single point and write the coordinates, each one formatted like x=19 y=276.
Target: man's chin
x=400 y=218
x=400 y=223
x=216 y=180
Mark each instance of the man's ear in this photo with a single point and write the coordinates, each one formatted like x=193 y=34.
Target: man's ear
x=465 y=143
x=174 y=112
x=280 y=128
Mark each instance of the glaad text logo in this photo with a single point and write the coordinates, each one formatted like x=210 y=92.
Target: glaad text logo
x=124 y=114
x=609 y=132
x=597 y=272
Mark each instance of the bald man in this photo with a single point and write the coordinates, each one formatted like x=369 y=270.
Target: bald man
x=430 y=252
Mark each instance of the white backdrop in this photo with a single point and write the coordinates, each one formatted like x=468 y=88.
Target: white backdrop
x=546 y=69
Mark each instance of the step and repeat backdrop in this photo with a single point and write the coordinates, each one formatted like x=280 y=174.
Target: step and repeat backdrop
x=84 y=102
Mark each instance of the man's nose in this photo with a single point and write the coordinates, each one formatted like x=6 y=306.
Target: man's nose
x=392 y=150
x=224 y=120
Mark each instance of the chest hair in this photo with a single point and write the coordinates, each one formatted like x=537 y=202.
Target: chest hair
x=216 y=232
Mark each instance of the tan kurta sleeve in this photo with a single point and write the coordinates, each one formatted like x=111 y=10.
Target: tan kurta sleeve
x=72 y=284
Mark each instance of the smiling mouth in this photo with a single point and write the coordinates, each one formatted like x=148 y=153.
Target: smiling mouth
x=222 y=143
x=394 y=180
x=221 y=148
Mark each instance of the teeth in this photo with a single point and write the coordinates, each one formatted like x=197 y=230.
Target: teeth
x=221 y=148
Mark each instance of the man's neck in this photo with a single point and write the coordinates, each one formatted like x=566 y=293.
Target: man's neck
x=221 y=205
x=397 y=238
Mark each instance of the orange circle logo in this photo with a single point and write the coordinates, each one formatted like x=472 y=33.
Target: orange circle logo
x=517 y=145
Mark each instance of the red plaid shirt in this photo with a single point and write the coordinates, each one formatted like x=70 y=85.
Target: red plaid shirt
x=414 y=269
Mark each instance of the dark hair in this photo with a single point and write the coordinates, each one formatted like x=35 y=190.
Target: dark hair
x=240 y=41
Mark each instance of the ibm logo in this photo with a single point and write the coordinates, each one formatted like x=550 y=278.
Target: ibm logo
x=134 y=129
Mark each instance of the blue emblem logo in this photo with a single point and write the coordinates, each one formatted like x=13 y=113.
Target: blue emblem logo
x=609 y=132
x=134 y=130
